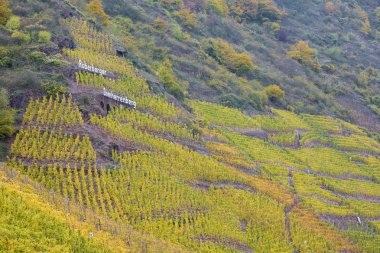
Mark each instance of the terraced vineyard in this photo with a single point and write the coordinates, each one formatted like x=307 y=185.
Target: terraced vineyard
x=216 y=180
x=336 y=183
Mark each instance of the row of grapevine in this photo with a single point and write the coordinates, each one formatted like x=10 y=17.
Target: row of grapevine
x=328 y=161
x=150 y=199
x=146 y=122
x=37 y=145
x=223 y=116
x=261 y=151
x=46 y=204
x=32 y=229
x=86 y=36
x=52 y=112
x=156 y=192
x=153 y=192
x=312 y=173
x=281 y=127
x=284 y=138
x=353 y=187
x=355 y=143
x=331 y=125
x=228 y=154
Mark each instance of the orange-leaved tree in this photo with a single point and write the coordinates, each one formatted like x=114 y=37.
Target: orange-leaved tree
x=330 y=7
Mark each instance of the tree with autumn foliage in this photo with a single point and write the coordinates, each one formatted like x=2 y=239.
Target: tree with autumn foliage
x=188 y=18
x=302 y=52
x=219 y=6
x=5 y=12
x=95 y=7
x=225 y=54
x=329 y=7
x=274 y=92
x=251 y=10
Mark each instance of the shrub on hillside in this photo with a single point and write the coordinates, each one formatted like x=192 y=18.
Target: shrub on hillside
x=13 y=23
x=44 y=36
x=6 y=116
x=53 y=88
x=252 y=10
x=376 y=101
x=329 y=68
x=275 y=28
x=195 y=5
x=258 y=99
x=167 y=78
x=232 y=100
x=6 y=57
x=5 y=12
x=177 y=32
x=20 y=37
x=302 y=52
x=160 y=25
x=172 y=4
x=274 y=92
x=220 y=7
x=225 y=54
x=334 y=53
x=363 y=78
x=187 y=17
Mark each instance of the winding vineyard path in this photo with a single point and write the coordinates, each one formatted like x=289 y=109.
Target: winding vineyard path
x=288 y=209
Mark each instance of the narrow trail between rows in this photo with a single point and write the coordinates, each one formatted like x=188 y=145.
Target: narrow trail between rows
x=290 y=208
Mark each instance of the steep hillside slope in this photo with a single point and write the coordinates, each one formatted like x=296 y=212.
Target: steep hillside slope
x=33 y=218
x=342 y=80
x=120 y=133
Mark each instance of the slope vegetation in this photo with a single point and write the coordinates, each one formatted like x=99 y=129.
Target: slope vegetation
x=86 y=172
